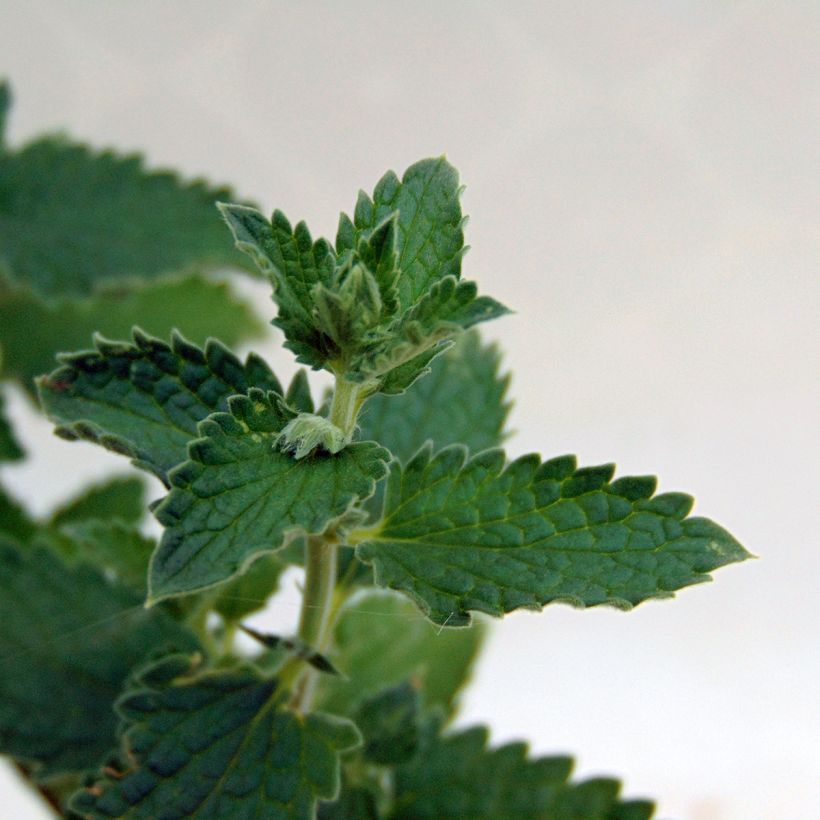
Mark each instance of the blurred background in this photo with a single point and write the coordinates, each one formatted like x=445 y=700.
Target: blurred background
x=642 y=182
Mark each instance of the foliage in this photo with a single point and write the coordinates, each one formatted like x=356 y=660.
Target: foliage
x=394 y=495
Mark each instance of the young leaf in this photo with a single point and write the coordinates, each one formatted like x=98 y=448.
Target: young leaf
x=430 y=239
x=461 y=535
x=239 y=496
x=10 y=449
x=381 y=641
x=68 y=640
x=218 y=744
x=72 y=220
x=122 y=498
x=501 y=782
x=33 y=330
x=462 y=401
x=146 y=399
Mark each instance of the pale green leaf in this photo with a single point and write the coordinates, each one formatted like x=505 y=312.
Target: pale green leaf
x=122 y=498
x=381 y=640
x=458 y=776
x=218 y=745
x=145 y=399
x=33 y=331
x=68 y=639
x=462 y=401
x=461 y=535
x=239 y=496
x=73 y=220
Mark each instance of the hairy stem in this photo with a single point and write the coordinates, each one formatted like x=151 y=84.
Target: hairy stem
x=348 y=398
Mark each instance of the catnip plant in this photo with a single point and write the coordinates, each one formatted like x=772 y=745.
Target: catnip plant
x=394 y=495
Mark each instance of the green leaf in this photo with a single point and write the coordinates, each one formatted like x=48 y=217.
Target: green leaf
x=5 y=105
x=461 y=535
x=501 y=782
x=354 y=803
x=462 y=401
x=122 y=498
x=430 y=239
x=295 y=265
x=68 y=639
x=298 y=393
x=14 y=520
x=239 y=496
x=10 y=449
x=73 y=220
x=33 y=331
x=389 y=725
x=382 y=641
x=145 y=399
x=250 y=591
x=218 y=744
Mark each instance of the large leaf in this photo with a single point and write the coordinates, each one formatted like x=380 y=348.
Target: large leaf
x=240 y=496
x=461 y=535
x=218 y=744
x=72 y=220
x=462 y=401
x=10 y=449
x=382 y=641
x=146 y=399
x=458 y=776
x=430 y=237
x=122 y=498
x=68 y=639
x=33 y=331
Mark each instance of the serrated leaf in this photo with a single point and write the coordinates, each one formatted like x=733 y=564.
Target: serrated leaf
x=430 y=240
x=462 y=401
x=381 y=641
x=500 y=782
x=389 y=723
x=73 y=220
x=250 y=591
x=33 y=331
x=218 y=744
x=14 y=520
x=68 y=639
x=295 y=265
x=10 y=449
x=239 y=496
x=122 y=498
x=461 y=535
x=145 y=399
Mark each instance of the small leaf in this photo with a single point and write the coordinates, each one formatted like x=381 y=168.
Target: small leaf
x=389 y=725
x=382 y=641
x=218 y=744
x=73 y=220
x=68 y=639
x=239 y=496
x=10 y=449
x=462 y=401
x=500 y=782
x=145 y=399
x=33 y=330
x=122 y=498
x=461 y=535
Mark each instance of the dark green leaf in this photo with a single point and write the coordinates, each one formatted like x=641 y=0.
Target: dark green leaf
x=219 y=745
x=146 y=399
x=122 y=498
x=68 y=640
x=10 y=449
x=461 y=535
x=458 y=776
x=72 y=220
x=239 y=496
x=5 y=105
x=298 y=393
x=354 y=803
x=250 y=591
x=389 y=724
x=381 y=641
x=33 y=331
x=14 y=520
x=462 y=401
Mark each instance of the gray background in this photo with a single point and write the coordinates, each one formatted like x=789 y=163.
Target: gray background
x=643 y=190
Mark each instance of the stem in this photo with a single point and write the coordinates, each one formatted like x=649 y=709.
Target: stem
x=317 y=600
x=345 y=405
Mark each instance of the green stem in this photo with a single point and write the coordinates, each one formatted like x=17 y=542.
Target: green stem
x=317 y=603
x=345 y=405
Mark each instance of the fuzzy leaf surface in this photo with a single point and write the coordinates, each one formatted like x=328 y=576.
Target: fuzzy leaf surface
x=461 y=401
x=68 y=640
x=478 y=534
x=501 y=782
x=430 y=239
x=34 y=330
x=381 y=640
x=72 y=220
x=145 y=399
x=218 y=744
x=239 y=496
